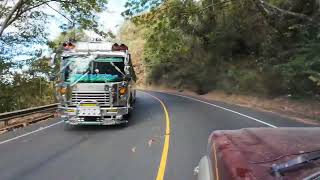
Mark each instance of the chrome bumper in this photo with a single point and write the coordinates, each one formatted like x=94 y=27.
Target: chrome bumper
x=109 y=116
x=105 y=122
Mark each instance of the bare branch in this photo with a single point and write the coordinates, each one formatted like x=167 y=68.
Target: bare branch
x=18 y=10
x=265 y=6
x=9 y=16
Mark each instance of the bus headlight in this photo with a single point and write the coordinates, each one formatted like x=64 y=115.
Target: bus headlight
x=123 y=90
x=63 y=90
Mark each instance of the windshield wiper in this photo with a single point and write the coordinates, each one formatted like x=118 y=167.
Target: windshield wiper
x=116 y=67
x=79 y=79
x=301 y=161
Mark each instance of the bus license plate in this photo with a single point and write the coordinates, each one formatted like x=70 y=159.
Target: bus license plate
x=89 y=111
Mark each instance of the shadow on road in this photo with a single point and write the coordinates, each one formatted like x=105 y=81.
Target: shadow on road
x=94 y=127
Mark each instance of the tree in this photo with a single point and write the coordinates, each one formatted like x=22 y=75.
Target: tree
x=22 y=26
x=80 y=12
x=263 y=47
x=136 y=7
x=26 y=88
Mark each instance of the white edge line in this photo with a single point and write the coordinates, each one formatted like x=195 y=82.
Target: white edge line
x=226 y=109
x=32 y=132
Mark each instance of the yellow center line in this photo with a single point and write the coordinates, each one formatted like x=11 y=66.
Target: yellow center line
x=164 y=156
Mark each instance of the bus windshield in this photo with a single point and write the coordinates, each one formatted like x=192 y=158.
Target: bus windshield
x=93 y=69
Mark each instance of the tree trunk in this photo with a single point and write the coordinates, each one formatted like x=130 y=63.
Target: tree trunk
x=266 y=7
x=9 y=16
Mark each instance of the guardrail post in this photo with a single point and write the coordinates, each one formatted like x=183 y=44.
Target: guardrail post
x=6 y=123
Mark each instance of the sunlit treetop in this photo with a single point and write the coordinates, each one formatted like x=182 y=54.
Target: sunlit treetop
x=80 y=13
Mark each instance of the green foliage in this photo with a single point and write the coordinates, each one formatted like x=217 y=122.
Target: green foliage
x=136 y=7
x=23 y=23
x=231 y=45
x=27 y=88
x=25 y=92
x=80 y=13
x=24 y=83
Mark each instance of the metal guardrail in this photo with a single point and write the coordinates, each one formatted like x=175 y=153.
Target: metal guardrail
x=7 y=116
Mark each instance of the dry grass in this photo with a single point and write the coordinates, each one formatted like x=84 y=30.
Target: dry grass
x=132 y=36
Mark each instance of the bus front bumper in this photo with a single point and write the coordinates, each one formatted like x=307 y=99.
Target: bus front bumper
x=108 y=116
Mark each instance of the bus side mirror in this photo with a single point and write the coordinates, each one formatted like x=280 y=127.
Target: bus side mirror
x=52 y=77
x=127 y=60
x=127 y=70
x=52 y=60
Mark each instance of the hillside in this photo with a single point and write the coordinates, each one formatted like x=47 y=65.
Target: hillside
x=132 y=35
x=251 y=47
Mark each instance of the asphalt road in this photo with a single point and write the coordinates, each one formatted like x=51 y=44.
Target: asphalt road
x=51 y=151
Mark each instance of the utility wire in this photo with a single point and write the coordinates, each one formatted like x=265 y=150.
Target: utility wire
x=72 y=22
x=60 y=13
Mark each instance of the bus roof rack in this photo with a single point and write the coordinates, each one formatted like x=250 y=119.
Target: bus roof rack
x=94 y=46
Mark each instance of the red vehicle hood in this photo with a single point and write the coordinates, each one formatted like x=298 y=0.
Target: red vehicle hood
x=235 y=154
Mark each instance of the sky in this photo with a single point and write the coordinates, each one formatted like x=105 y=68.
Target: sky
x=110 y=20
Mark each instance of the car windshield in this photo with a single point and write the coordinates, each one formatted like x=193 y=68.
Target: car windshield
x=93 y=69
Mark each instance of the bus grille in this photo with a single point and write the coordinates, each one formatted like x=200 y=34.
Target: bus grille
x=103 y=98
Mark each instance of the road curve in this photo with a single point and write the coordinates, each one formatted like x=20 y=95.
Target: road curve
x=50 y=150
